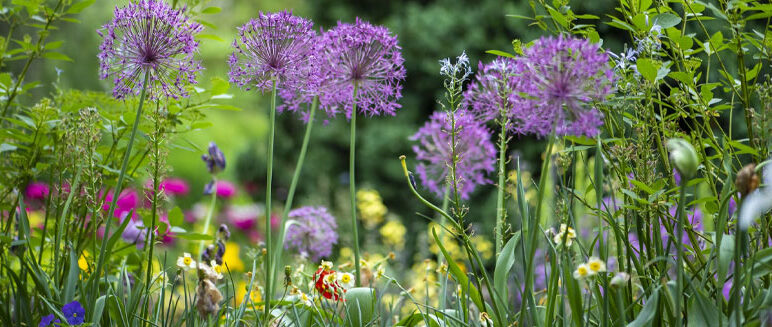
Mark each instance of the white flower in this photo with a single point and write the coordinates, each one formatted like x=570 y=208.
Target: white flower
x=212 y=272
x=186 y=262
x=620 y=279
x=567 y=233
x=327 y=265
x=346 y=280
x=380 y=272
x=757 y=202
x=596 y=265
x=305 y=298
x=583 y=271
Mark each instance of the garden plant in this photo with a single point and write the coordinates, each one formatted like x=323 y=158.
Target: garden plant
x=646 y=202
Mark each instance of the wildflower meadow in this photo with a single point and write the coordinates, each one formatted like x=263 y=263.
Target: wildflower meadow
x=385 y=163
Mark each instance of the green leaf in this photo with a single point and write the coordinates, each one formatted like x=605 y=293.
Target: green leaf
x=501 y=53
x=360 y=304
x=504 y=264
x=99 y=306
x=176 y=216
x=648 y=68
x=56 y=56
x=648 y=312
x=211 y=10
x=725 y=253
x=195 y=236
x=219 y=86
x=72 y=278
x=667 y=20
x=458 y=274
x=78 y=7
x=702 y=312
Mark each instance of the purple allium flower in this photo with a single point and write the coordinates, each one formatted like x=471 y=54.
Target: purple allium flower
x=215 y=160
x=149 y=37
x=135 y=233
x=364 y=56
x=46 y=321
x=492 y=94
x=74 y=313
x=312 y=233
x=693 y=221
x=558 y=79
x=475 y=151
x=272 y=47
x=37 y=191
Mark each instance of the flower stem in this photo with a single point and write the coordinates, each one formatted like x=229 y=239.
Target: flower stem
x=352 y=186
x=208 y=219
x=119 y=184
x=679 y=230
x=501 y=211
x=269 y=177
x=278 y=246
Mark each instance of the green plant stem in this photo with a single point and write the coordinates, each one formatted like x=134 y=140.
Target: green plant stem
x=208 y=219
x=269 y=178
x=679 y=251
x=501 y=211
x=119 y=184
x=150 y=245
x=278 y=248
x=352 y=186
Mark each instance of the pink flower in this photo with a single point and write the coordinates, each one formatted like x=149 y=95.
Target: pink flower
x=244 y=217
x=175 y=186
x=37 y=191
x=225 y=189
x=127 y=201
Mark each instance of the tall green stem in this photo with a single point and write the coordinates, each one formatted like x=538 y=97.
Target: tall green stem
x=208 y=218
x=278 y=246
x=269 y=177
x=352 y=185
x=501 y=211
x=121 y=176
x=679 y=230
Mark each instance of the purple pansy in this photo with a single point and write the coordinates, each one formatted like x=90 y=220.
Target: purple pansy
x=74 y=313
x=149 y=37
x=46 y=321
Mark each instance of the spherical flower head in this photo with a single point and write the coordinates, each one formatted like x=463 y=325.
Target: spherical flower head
x=474 y=149
x=314 y=232
x=364 y=57
x=37 y=191
x=74 y=313
x=215 y=159
x=490 y=96
x=273 y=47
x=149 y=37
x=559 y=79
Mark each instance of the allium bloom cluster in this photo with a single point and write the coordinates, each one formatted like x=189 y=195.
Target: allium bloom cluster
x=314 y=232
x=493 y=94
x=364 y=58
x=274 y=47
x=149 y=37
x=558 y=80
x=474 y=149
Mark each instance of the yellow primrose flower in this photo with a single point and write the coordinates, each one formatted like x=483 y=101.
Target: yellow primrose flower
x=186 y=262
x=326 y=265
x=371 y=208
x=307 y=300
x=483 y=245
x=596 y=265
x=84 y=260
x=393 y=233
x=583 y=271
x=241 y=290
x=231 y=257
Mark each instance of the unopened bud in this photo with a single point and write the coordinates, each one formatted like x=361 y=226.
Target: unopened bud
x=684 y=157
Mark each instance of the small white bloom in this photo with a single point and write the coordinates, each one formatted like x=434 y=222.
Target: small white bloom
x=596 y=265
x=582 y=271
x=757 y=202
x=186 y=262
x=620 y=279
x=346 y=280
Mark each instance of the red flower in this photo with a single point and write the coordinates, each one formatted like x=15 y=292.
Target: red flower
x=327 y=284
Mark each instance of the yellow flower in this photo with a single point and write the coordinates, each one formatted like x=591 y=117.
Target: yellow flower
x=231 y=257
x=326 y=265
x=596 y=265
x=567 y=233
x=371 y=208
x=35 y=219
x=346 y=280
x=483 y=245
x=380 y=272
x=393 y=233
x=84 y=261
x=583 y=271
x=241 y=290
x=186 y=262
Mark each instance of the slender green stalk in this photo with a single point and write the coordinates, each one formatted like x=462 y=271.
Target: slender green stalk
x=269 y=178
x=208 y=219
x=278 y=246
x=352 y=186
x=679 y=230
x=501 y=210
x=119 y=184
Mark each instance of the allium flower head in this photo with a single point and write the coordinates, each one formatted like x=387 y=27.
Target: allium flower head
x=149 y=36
x=491 y=96
x=314 y=232
x=272 y=47
x=475 y=151
x=558 y=79
x=364 y=55
x=74 y=313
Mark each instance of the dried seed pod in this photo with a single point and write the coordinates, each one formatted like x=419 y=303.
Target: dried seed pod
x=209 y=298
x=747 y=180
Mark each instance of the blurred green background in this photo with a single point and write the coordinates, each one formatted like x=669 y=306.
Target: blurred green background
x=427 y=30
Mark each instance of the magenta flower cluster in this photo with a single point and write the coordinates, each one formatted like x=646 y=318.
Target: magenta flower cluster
x=553 y=86
x=313 y=232
x=474 y=150
x=149 y=37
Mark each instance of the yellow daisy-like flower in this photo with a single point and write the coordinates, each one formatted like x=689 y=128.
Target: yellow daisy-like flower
x=380 y=272
x=596 y=265
x=583 y=271
x=84 y=261
x=186 y=262
x=231 y=257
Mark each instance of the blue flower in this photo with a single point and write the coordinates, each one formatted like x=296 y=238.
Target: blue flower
x=47 y=320
x=74 y=313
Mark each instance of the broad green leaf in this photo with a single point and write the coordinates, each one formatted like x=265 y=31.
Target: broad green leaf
x=648 y=68
x=504 y=264
x=702 y=312
x=648 y=312
x=501 y=53
x=176 y=216
x=79 y=6
x=211 y=10
x=360 y=304
x=56 y=56
x=667 y=20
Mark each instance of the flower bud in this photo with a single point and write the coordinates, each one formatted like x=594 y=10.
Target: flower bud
x=747 y=180
x=620 y=279
x=684 y=157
